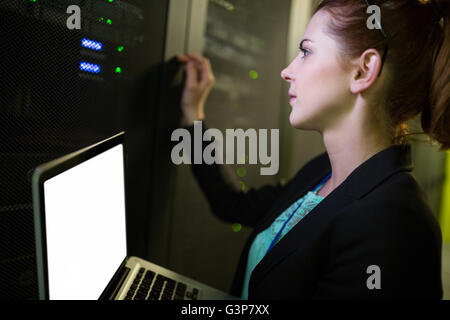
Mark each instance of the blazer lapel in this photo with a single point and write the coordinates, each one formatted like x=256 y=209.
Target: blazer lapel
x=361 y=181
x=304 y=181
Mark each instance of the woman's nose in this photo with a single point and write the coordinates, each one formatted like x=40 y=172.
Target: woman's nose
x=285 y=75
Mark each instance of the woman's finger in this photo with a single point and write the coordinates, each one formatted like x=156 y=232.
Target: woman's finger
x=201 y=61
x=203 y=72
x=195 y=57
x=182 y=58
x=207 y=74
x=205 y=68
x=191 y=78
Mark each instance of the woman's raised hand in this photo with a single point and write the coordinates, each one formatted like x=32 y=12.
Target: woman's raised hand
x=199 y=81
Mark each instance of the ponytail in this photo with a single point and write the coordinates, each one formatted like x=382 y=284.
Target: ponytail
x=435 y=118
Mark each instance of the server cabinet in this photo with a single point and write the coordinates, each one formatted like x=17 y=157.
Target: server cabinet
x=62 y=89
x=246 y=42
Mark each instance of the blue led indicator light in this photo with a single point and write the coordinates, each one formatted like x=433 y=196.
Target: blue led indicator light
x=89 y=67
x=91 y=44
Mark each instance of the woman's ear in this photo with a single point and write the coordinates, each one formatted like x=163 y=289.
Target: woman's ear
x=365 y=72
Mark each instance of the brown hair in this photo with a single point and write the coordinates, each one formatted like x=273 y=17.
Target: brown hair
x=418 y=59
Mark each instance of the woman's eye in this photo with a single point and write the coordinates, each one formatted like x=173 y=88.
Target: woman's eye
x=305 y=52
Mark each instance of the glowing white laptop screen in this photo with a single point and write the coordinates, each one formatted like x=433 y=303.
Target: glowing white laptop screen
x=85 y=226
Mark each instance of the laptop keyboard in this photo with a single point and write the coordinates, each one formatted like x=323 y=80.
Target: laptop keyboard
x=150 y=286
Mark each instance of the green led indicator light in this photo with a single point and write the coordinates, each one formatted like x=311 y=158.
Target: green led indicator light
x=118 y=70
x=110 y=1
x=120 y=48
x=33 y=0
x=236 y=227
x=241 y=172
x=100 y=19
x=225 y=4
x=253 y=74
x=109 y=21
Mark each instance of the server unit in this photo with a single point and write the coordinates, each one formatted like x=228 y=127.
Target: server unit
x=62 y=89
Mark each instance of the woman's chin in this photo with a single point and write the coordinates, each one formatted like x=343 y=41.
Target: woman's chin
x=295 y=120
x=298 y=122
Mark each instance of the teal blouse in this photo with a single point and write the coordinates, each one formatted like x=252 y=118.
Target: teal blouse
x=263 y=240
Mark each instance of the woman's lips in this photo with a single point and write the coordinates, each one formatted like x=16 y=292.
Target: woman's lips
x=293 y=97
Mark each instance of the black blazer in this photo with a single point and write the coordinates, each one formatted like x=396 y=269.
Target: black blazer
x=378 y=216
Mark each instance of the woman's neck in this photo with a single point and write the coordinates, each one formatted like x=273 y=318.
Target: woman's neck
x=346 y=152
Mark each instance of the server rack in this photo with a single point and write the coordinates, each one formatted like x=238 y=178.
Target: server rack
x=62 y=89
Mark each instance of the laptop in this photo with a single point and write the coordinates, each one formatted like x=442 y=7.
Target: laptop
x=80 y=230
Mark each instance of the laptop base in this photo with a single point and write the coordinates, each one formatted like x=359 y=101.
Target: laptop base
x=147 y=281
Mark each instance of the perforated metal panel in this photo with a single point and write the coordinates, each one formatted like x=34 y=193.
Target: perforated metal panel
x=49 y=107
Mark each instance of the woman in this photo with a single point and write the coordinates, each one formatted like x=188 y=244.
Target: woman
x=353 y=222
